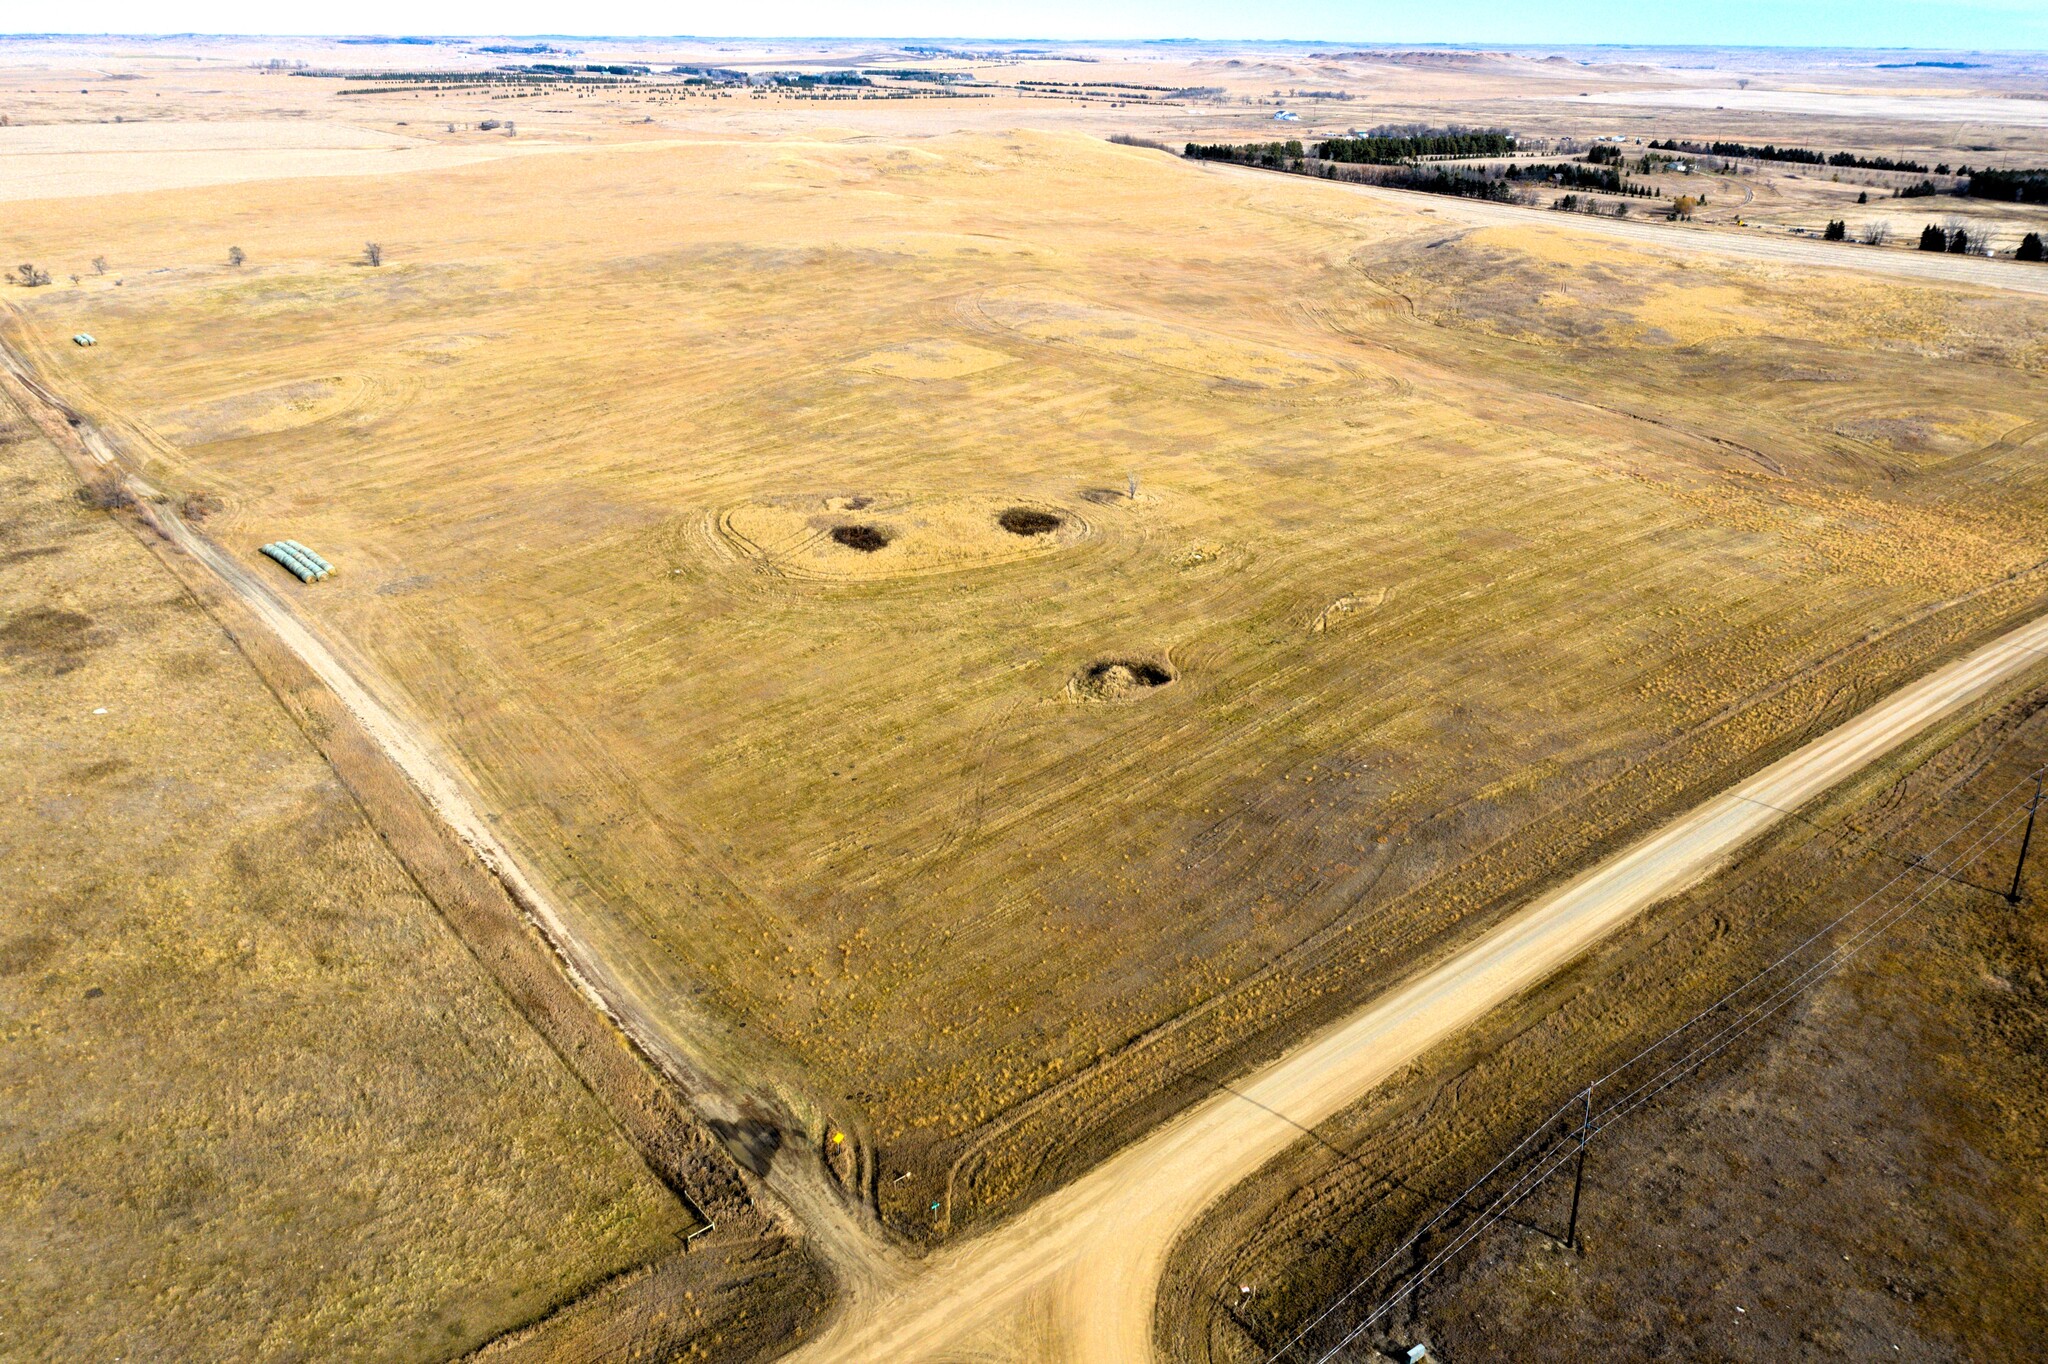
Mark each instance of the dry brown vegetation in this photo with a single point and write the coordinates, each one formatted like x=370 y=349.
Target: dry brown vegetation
x=1440 y=537
x=1858 y=1178
x=261 y=1103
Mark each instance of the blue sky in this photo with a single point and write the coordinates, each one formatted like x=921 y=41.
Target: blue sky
x=1863 y=23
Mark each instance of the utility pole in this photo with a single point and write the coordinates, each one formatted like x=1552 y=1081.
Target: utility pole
x=2012 y=895
x=1571 y=1234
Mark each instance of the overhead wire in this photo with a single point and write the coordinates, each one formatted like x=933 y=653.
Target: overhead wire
x=1572 y=1141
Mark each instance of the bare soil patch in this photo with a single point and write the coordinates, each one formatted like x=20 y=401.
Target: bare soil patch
x=1029 y=521
x=866 y=539
x=1113 y=679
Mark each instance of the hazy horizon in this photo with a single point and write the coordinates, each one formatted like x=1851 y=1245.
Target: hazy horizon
x=1983 y=26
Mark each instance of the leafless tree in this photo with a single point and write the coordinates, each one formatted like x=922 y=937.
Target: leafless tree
x=373 y=253
x=1742 y=84
x=236 y=255
x=74 y=281
x=1134 y=487
x=99 y=265
x=1876 y=234
x=30 y=276
x=106 y=493
x=1964 y=241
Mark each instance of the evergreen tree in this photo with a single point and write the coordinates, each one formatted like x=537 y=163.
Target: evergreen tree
x=1837 y=231
x=2030 y=248
x=1933 y=238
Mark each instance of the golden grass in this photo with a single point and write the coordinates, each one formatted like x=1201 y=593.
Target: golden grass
x=1440 y=539
x=1768 y=1176
x=261 y=1104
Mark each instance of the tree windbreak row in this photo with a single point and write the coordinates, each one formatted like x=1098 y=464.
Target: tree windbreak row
x=1804 y=156
x=2015 y=186
x=1492 y=185
x=1275 y=154
x=1372 y=150
x=1497 y=183
x=1392 y=150
x=1580 y=175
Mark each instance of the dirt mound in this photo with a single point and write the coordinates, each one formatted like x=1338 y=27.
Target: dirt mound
x=1028 y=521
x=866 y=539
x=1113 y=679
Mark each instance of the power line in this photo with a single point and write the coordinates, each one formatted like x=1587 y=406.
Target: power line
x=1919 y=864
x=1830 y=961
x=1828 y=966
x=1562 y=1153
x=1562 y=1150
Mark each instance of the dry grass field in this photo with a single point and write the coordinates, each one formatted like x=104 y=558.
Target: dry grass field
x=668 y=484
x=260 y=1103
x=1858 y=1178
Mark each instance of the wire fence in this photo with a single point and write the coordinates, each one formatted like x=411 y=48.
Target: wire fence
x=1559 y=1140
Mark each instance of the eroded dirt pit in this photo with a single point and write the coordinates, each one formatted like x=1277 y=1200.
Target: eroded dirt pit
x=841 y=536
x=866 y=539
x=1029 y=521
x=1117 y=679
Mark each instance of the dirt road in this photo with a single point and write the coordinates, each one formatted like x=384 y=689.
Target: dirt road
x=1735 y=243
x=1074 y=1278
x=863 y=1263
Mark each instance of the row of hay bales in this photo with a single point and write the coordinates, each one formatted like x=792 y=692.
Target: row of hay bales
x=303 y=563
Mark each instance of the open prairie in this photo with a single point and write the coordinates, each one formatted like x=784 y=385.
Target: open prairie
x=974 y=628
x=260 y=1102
x=1853 y=1174
x=964 y=641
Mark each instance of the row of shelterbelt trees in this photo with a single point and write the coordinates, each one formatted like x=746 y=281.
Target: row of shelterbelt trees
x=1579 y=175
x=2028 y=186
x=1377 y=148
x=2017 y=186
x=1963 y=240
x=1802 y=156
x=1954 y=238
x=1293 y=156
x=1384 y=148
x=1353 y=159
